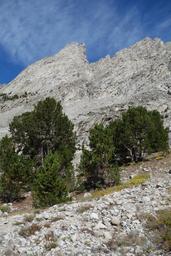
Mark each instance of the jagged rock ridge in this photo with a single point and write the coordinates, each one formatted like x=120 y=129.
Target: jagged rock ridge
x=93 y=92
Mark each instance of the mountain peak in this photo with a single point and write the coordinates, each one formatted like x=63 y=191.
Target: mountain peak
x=89 y=93
x=73 y=50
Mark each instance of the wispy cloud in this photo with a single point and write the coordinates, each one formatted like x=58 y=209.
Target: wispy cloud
x=165 y=24
x=30 y=30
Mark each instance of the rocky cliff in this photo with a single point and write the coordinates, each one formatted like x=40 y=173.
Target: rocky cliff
x=93 y=92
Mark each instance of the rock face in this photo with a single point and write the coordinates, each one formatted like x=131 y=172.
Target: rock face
x=94 y=92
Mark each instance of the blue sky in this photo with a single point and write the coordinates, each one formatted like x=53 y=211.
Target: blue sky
x=33 y=29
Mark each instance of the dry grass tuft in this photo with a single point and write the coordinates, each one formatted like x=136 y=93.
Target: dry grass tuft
x=160 y=225
x=30 y=230
x=56 y=218
x=134 y=182
x=51 y=241
x=29 y=218
x=47 y=225
x=84 y=208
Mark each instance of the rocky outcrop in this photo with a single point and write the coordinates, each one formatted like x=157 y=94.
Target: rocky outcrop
x=94 y=92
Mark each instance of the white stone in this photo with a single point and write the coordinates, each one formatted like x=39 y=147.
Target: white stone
x=107 y=235
x=115 y=221
x=86 y=195
x=100 y=225
x=94 y=216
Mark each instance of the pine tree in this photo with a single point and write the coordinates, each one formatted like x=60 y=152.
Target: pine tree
x=45 y=129
x=97 y=168
x=139 y=132
x=16 y=172
x=52 y=181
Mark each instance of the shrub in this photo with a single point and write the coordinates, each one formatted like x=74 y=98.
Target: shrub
x=30 y=230
x=160 y=225
x=29 y=218
x=5 y=208
x=84 y=208
x=51 y=241
x=6 y=97
x=52 y=182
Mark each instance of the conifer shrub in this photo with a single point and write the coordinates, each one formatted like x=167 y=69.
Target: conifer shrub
x=16 y=172
x=97 y=168
x=52 y=181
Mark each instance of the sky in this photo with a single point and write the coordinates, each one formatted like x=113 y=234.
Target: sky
x=33 y=29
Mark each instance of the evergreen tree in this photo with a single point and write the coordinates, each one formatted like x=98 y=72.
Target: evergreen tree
x=136 y=133
x=96 y=166
x=139 y=132
x=45 y=129
x=157 y=135
x=16 y=172
x=35 y=136
x=52 y=181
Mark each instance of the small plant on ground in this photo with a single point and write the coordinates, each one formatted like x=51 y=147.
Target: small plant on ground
x=56 y=218
x=129 y=240
x=160 y=225
x=18 y=223
x=84 y=208
x=47 y=225
x=29 y=218
x=30 y=230
x=5 y=208
x=51 y=241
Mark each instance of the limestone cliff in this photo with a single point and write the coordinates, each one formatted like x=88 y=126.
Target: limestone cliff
x=93 y=92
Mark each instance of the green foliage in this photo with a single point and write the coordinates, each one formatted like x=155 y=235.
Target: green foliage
x=158 y=135
x=35 y=136
x=139 y=132
x=96 y=167
x=101 y=144
x=5 y=208
x=6 y=97
x=45 y=129
x=16 y=171
x=52 y=181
